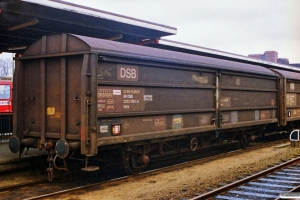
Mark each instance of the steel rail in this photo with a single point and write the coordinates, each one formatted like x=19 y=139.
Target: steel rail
x=21 y=185
x=296 y=189
x=156 y=171
x=244 y=180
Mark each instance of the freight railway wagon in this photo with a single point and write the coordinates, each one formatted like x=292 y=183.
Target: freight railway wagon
x=87 y=95
x=5 y=106
x=289 y=98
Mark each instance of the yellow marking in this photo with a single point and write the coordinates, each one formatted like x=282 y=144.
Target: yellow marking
x=50 y=111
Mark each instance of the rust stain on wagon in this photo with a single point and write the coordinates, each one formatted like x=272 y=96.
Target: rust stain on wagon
x=265 y=114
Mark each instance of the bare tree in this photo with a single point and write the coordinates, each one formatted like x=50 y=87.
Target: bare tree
x=6 y=67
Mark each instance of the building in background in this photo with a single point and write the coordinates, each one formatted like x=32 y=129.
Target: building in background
x=271 y=56
x=256 y=56
x=295 y=64
x=284 y=61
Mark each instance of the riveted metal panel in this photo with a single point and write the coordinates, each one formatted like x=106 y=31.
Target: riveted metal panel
x=156 y=123
x=234 y=99
x=247 y=82
x=32 y=114
x=132 y=93
x=245 y=99
x=111 y=72
x=113 y=99
x=266 y=114
x=169 y=90
x=247 y=115
x=204 y=119
x=226 y=117
x=295 y=86
x=295 y=112
x=73 y=94
x=53 y=91
x=298 y=100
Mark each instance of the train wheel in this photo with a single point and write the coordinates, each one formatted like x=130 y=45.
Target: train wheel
x=193 y=144
x=131 y=165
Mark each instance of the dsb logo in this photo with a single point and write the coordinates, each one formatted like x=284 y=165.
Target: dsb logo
x=127 y=73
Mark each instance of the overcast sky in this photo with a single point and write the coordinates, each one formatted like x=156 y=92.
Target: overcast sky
x=236 y=26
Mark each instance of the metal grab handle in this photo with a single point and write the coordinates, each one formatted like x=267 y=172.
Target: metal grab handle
x=55 y=166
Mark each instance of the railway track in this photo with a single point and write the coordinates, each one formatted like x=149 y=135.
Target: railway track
x=268 y=184
x=47 y=190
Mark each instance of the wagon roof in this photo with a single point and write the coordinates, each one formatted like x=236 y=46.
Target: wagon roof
x=81 y=44
x=198 y=50
x=113 y=48
x=288 y=74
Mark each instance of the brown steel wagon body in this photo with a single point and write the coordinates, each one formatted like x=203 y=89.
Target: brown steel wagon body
x=75 y=93
x=289 y=99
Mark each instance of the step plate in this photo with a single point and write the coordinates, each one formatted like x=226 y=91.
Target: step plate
x=90 y=168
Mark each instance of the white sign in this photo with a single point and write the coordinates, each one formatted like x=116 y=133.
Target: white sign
x=117 y=92
x=104 y=129
x=5 y=102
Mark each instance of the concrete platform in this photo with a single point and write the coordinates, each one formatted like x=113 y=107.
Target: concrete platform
x=7 y=156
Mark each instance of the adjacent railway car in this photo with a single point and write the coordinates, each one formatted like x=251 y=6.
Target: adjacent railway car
x=289 y=96
x=6 y=86
x=79 y=94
